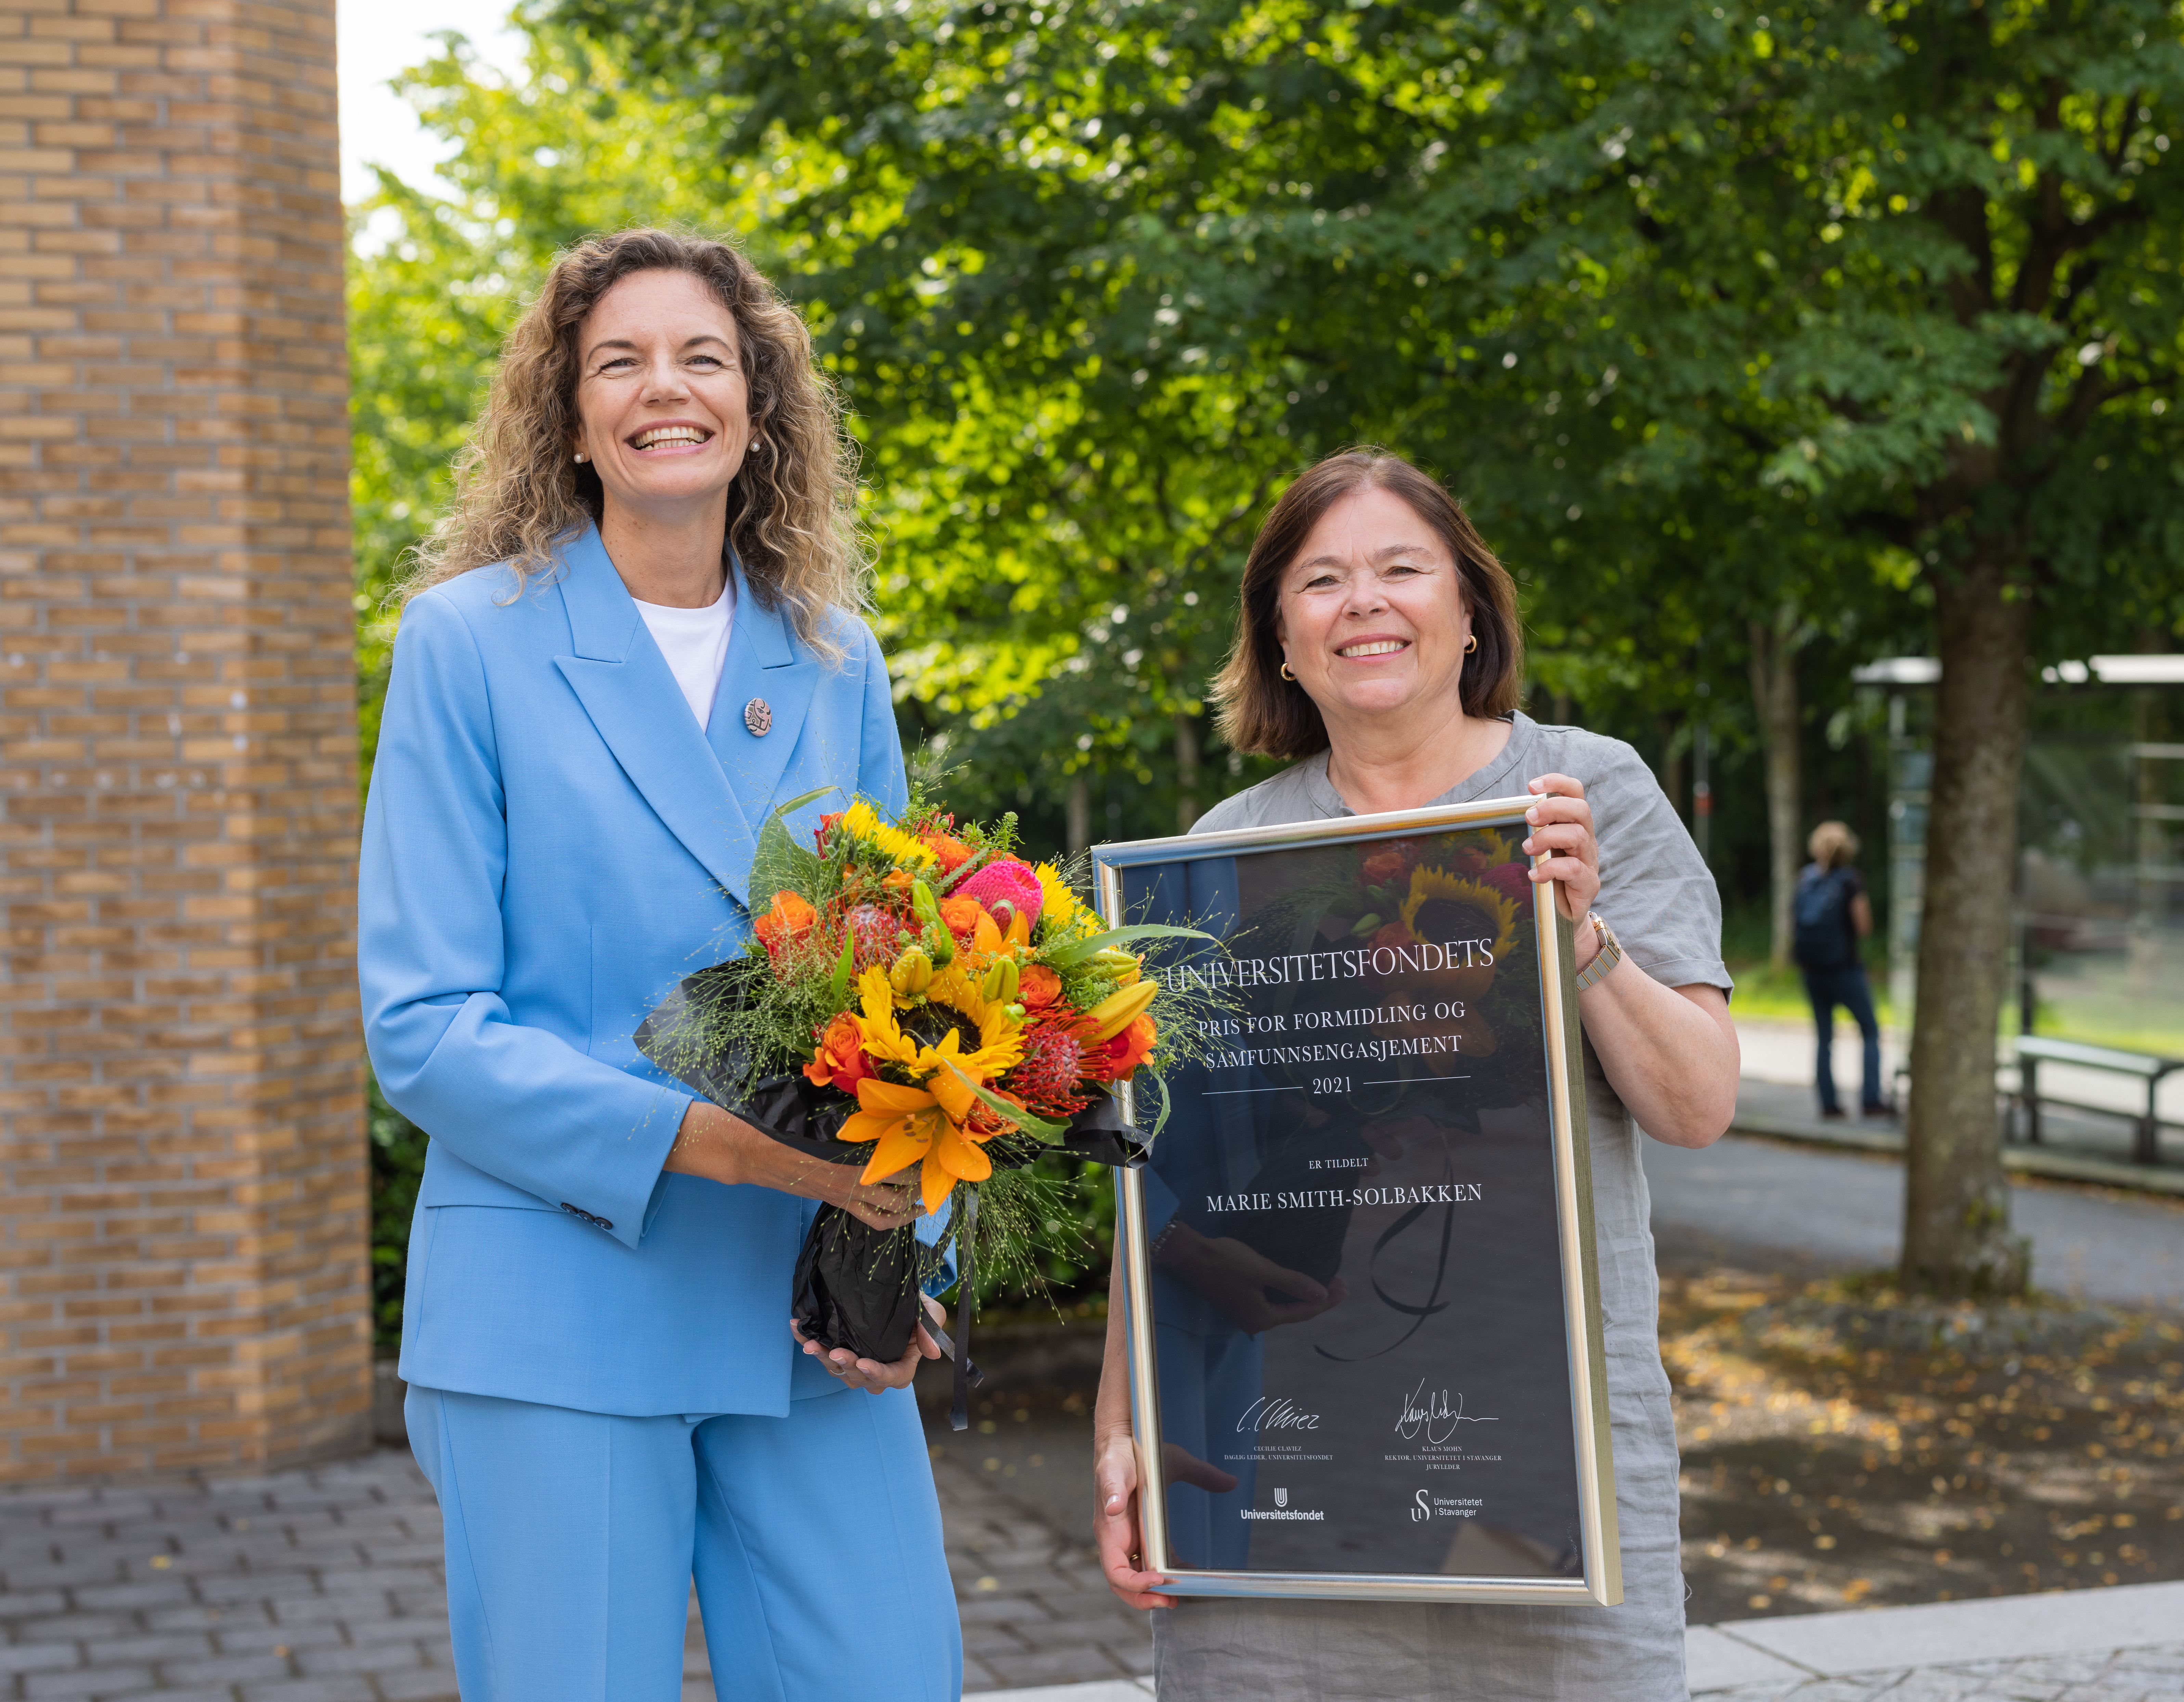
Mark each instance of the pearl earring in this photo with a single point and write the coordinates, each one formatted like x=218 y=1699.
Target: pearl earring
x=580 y=460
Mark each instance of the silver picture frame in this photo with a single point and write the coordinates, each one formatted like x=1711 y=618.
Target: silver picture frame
x=1595 y=1576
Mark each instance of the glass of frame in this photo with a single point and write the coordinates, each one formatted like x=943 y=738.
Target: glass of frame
x=1362 y=1304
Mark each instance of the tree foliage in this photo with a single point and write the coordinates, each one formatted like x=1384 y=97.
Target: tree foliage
x=1848 y=327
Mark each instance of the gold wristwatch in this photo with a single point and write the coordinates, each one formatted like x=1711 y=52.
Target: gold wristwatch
x=1605 y=960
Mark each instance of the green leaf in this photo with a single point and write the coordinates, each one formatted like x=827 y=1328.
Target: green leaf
x=780 y=860
x=1160 y=1121
x=1077 y=951
x=842 y=966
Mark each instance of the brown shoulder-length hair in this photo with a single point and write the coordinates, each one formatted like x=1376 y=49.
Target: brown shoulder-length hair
x=1265 y=715
x=519 y=493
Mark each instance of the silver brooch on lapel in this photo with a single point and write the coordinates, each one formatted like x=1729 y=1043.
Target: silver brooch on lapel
x=758 y=716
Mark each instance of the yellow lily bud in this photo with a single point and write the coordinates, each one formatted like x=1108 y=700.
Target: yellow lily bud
x=1124 y=966
x=1111 y=1015
x=1001 y=982
x=912 y=972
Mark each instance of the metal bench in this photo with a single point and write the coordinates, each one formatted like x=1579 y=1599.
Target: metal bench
x=2035 y=1050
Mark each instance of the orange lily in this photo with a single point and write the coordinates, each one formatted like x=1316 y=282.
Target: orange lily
x=926 y=1123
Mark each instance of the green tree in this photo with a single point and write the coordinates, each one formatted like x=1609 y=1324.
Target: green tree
x=1957 y=285
x=1713 y=313
x=1901 y=276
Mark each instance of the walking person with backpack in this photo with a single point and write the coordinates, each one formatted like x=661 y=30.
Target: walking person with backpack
x=1833 y=914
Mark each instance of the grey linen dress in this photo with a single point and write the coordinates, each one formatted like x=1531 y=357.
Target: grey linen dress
x=1659 y=898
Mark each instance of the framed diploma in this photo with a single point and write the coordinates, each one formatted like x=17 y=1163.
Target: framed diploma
x=1361 y=1297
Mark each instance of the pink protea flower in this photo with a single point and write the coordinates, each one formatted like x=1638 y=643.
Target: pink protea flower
x=1005 y=880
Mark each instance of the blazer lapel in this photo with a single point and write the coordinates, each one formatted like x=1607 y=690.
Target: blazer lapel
x=768 y=682
x=628 y=690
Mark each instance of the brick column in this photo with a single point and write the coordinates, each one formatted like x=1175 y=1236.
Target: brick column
x=182 y=1231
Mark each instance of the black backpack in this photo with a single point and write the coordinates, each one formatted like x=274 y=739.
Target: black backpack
x=1823 y=938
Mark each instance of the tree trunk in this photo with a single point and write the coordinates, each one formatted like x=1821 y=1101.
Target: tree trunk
x=1774 y=699
x=1186 y=771
x=1079 y=811
x=1956 y=1209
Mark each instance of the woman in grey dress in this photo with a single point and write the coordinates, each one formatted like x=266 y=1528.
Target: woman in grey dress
x=1377 y=643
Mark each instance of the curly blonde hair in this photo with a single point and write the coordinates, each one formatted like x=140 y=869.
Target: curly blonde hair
x=792 y=510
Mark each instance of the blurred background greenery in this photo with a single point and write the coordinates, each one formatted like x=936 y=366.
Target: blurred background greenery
x=1748 y=334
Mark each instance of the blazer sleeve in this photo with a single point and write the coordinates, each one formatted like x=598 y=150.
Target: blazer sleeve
x=880 y=775
x=517 y=1101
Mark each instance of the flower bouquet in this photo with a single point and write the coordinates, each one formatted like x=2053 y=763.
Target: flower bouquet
x=915 y=996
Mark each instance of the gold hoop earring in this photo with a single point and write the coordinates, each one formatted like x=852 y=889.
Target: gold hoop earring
x=1286 y=674
x=1471 y=644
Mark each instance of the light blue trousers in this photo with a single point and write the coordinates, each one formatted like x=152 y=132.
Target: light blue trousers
x=572 y=1539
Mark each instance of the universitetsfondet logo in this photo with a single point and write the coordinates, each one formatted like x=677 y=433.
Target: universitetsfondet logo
x=1282 y=1509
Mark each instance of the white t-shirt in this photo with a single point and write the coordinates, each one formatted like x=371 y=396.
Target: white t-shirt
x=695 y=642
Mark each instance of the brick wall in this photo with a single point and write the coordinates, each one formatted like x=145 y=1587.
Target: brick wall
x=183 y=1242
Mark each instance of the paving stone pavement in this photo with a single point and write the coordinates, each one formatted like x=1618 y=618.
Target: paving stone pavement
x=2134 y=1675
x=306 y=1586
x=1035 y=1608
x=323 y=1585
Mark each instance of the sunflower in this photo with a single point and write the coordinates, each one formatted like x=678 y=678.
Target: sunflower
x=1431 y=886
x=862 y=823
x=1058 y=906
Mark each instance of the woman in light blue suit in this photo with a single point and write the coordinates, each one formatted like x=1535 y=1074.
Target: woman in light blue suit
x=632 y=636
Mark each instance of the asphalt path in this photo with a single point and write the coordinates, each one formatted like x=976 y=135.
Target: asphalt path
x=1765 y=1204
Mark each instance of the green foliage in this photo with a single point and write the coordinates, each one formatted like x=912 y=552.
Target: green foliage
x=1719 y=317
x=398 y=1167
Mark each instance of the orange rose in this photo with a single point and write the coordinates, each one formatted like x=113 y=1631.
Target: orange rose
x=963 y=915
x=840 y=1060
x=1038 y=986
x=1395 y=934
x=788 y=921
x=952 y=852
x=1112 y=1060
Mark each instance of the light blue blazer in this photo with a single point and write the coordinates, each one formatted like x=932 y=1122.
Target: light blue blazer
x=551 y=842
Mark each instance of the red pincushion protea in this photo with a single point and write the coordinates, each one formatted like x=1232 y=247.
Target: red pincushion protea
x=1053 y=1060
x=876 y=931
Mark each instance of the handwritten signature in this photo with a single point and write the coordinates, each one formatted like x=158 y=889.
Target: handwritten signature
x=1433 y=1415
x=1264 y=1415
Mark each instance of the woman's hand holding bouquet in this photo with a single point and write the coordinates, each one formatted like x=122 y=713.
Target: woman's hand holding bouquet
x=916 y=999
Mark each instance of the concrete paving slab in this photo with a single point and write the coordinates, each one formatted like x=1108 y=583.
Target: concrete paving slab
x=2068 y=1622
x=1105 y=1690
x=1712 y=1662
